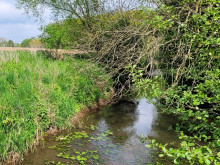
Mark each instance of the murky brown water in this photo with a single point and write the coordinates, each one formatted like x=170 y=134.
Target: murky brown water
x=114 y=133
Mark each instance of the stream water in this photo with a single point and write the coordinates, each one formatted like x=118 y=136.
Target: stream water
x=110 y=136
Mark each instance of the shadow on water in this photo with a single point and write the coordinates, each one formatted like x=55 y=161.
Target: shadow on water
x=114 y=134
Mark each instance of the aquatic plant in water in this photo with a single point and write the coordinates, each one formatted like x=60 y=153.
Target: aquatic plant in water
x=77 y=147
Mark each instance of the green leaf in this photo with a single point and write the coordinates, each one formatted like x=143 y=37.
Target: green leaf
x=161 y=155
x=148 y=146
x=207 y=161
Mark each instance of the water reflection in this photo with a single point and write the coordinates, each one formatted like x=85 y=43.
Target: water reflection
x=147 y=116
x=128 y=121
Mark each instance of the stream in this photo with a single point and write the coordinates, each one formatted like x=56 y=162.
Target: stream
x=110 y=136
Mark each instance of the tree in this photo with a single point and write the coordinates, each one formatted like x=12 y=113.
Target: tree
x=81 y=9
x=3 y=42
x=26 y=43
x=10 y=43
x=62 y=34
x=36 y=43
x=84 y=10
x=52 y=35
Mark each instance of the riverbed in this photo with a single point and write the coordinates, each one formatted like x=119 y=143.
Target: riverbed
x=110 y=136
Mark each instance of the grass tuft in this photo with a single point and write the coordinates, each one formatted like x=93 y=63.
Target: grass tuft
x=37 y=93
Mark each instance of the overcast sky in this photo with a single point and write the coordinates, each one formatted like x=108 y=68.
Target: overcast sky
x=14 y=25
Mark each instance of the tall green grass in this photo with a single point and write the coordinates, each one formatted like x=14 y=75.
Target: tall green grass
x=37 y=93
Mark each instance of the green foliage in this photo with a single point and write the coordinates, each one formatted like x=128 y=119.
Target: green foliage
x=189 y=151
x=10 y=43
x=81 y=154
x=63 y=34
x=71 y=32
x=38 y=93
x=26 y=43
x=83 y=10
x=5 y=43
x=190 y=63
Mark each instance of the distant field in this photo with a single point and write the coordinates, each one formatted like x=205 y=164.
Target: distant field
x=17 y=48
x=75 y=51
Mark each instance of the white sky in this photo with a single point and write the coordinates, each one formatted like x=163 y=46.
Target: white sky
x=14 y=24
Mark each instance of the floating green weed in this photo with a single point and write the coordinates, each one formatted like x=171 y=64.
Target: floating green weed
x=77 y=147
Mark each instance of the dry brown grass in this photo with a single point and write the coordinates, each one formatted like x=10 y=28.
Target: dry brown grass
x=62 y=51
x=18 y=48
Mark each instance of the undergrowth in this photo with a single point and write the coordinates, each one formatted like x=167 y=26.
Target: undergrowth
x=37 y=93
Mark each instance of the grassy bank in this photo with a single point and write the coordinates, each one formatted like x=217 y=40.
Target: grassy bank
x=37 y=93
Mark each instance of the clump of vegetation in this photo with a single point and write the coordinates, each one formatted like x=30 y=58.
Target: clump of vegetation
x=9 y=43
x=38 y=93
x=65 y=34
x=189 y=60
x=85 y=149
x=32 y=43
